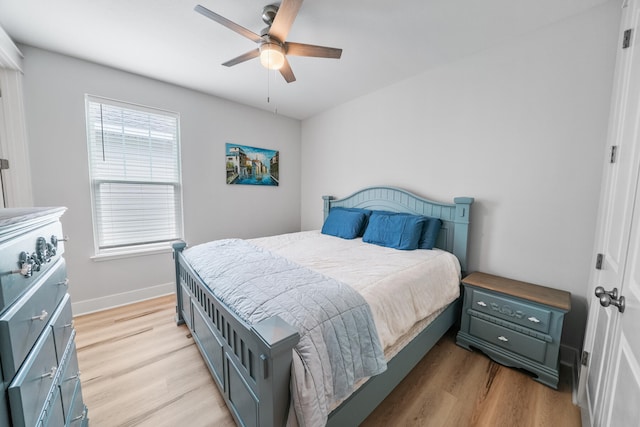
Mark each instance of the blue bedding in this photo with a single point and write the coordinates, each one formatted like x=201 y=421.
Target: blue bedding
x=338 y=343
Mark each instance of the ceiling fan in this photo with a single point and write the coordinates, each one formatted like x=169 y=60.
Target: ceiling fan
x=273 y=47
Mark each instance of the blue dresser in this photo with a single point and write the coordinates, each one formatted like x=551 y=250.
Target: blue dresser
x=39 y=366
x=515 y=323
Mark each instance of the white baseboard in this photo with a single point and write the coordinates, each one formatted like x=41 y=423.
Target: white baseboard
x=117 y=300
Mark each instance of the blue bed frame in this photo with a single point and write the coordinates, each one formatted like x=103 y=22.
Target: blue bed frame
x=251 y=363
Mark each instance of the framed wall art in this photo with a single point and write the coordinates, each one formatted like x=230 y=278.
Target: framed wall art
x=252 y=165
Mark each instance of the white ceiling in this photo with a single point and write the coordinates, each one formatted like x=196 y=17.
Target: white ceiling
x=383 y=41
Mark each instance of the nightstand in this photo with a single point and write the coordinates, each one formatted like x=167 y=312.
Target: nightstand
x=517 y=324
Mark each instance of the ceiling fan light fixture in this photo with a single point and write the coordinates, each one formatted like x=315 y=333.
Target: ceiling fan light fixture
x=271 y=56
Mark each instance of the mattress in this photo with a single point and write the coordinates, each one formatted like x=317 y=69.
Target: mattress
x=406 y=290
x=403 y=288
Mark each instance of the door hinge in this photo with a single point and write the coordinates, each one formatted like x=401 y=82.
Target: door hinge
x=4 y=164
x=599 y=259
x=613 y=154
x=584 y=360
x=626 y=38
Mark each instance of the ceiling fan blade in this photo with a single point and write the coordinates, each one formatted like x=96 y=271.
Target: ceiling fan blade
x=286 y=72
x=227 y=23
x=244 y=57
x=287 y=13
x=301 y=49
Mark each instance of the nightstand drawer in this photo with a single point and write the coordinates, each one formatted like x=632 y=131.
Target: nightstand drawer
x=516 y=312
x=513 y=341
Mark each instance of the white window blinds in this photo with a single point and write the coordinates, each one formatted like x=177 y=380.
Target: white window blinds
x=134 y=162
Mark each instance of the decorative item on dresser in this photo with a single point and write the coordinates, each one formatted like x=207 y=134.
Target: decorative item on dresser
x=517 y=324
x=40 y=377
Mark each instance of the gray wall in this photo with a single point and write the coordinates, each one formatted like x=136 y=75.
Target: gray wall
x=521 y=127
x=55 y=86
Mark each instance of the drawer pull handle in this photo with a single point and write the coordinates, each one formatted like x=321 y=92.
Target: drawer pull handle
x=533 y=319
x=56 y=239
x=80 y=417
x=50 y=374
x=27 y=264
x=41 y=317
x=73 y=377
x=503 y=338
x=65 y=282
x=482 y=303
x=68 y=325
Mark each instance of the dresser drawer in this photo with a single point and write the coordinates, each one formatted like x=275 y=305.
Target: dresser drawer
x=62 y=325
x=77 y=413
x=70 y=388
x=21 y=324
x=53 y=417
x=37 y=248
x=513 y=341
x=30 y=389
x=506 y=308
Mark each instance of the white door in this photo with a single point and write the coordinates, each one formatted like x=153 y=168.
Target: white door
x=622 y=390
x=605 y=331
x=2 y=132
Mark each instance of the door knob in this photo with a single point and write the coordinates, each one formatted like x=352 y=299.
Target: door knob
x=612 y=293
x=608 y=298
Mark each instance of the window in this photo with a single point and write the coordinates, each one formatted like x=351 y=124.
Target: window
x=134 y=166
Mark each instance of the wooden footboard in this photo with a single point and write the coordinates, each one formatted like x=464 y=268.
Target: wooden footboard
x=251 y=364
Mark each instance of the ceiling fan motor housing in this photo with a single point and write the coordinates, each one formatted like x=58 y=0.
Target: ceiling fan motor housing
x=269 y=13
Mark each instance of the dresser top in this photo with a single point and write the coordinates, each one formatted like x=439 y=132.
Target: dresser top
x=528 y=291
x=10 y=216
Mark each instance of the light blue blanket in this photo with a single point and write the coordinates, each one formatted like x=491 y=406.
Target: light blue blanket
x=338 y=340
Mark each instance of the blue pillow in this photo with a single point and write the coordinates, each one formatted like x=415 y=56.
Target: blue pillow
x=430 y=232
x=394 y=230
x=344 y=223
x=366 y=212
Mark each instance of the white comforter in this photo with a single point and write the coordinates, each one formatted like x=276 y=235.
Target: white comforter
x=402 y=287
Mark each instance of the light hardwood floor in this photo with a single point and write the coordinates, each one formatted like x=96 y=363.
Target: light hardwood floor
x=140 y=369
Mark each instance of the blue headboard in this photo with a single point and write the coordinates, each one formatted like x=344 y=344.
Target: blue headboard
x=454 y=233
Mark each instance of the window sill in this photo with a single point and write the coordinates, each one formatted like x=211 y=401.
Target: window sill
x=132 y=252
